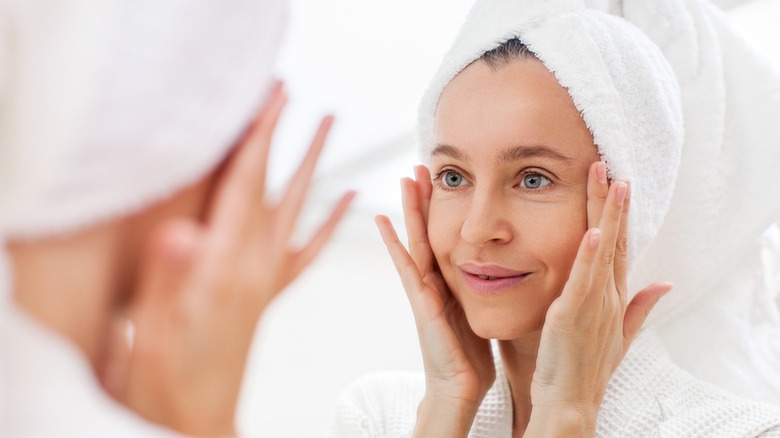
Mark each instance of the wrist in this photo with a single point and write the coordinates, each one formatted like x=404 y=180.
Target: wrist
x=561 y=421
x=442 y=416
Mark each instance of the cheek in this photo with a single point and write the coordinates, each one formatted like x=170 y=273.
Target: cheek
x=559 y=238
x=443 y=228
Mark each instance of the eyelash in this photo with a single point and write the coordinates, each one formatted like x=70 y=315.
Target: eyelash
x=438 y=183
x=528 y=172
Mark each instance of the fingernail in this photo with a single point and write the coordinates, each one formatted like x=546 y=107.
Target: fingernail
x=601 y=170
x=595 y=237
x=622 y=189
x=664 y=292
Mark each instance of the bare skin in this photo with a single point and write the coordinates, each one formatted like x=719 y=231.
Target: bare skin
x=193 y=274
x=520 y=237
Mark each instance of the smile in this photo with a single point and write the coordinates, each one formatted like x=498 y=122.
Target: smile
x=491 y=280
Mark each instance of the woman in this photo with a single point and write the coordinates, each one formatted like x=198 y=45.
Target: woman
x=521 y=235
x=133 y=187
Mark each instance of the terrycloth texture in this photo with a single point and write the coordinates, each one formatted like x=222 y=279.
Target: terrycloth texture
x=647 y=397
x=47 y=388
x=721 y=323
x=110 y=106
x=617 y=78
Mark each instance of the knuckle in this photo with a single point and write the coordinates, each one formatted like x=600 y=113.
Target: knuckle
x=582 y=289
x=622 y=246
x=607 y=258
x=612 y=309
x=557 y=312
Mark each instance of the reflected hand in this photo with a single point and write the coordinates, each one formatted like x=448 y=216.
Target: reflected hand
x=204 y=286
x=589 y=328
x=459 y=367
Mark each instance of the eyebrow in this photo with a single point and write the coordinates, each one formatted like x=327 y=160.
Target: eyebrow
x=518 y=153
x=515 y=153
x=449 y=151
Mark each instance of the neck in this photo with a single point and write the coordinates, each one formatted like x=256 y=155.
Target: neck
x=68 y=284
x=518 y=357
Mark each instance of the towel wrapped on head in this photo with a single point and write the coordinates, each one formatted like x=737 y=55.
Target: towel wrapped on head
x=108 y=107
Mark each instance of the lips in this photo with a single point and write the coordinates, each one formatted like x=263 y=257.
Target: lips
x=491 y=280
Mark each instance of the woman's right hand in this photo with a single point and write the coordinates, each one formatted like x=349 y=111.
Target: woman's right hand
x=203 y=286
x=459 y=368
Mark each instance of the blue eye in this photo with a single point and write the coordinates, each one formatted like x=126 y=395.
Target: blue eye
x=452 y=179
x=534 y=181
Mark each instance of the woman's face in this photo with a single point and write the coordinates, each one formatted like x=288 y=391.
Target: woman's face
x=508 y=207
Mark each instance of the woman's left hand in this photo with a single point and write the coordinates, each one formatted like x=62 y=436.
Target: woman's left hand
x=589 y=328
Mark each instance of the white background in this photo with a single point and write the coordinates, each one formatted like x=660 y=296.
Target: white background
x=368 y=63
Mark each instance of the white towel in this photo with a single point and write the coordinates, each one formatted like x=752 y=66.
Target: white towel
x=721 y=323
x=109 y=106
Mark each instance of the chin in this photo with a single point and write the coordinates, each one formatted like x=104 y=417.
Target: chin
x=504 y=324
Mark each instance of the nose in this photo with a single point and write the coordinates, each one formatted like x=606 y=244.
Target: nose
x=486 y=220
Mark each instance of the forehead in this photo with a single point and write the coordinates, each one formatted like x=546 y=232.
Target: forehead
x=485 y=112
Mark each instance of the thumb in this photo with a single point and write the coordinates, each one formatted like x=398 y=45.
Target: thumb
x=639 y=307
x=167 y=262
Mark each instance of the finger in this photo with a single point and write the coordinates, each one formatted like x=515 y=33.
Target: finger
x=310 y=251
x=423 y=178
x=639 y=308
x=419 y=247
x=621 y=252
x=243 y=187
x=404 y=264
x=609 y=225
x=290 y=206
x=598 y=188
x=262 y=136
x=258 y=143
x=579 y=283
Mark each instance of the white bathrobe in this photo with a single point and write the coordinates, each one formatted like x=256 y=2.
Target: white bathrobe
x=648 y=396
x=48 y=389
